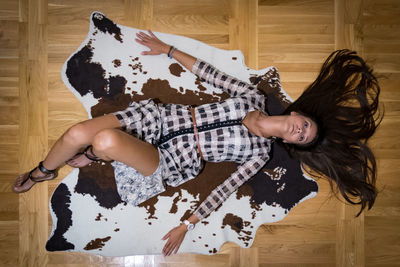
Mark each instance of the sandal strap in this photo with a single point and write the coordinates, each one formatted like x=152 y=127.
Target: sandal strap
x=92 y=156
x=44 y=170
x=28 y=177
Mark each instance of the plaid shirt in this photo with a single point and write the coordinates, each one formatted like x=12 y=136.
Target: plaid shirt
x=222 y=136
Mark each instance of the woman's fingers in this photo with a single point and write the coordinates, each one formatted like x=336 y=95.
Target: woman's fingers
x=177 y=246
x=167 y=235
x=174 y=242
x=169 y=245
x=167 y=248
x=155 y=45
x=139 y=41
x=170 y=249
x=152 y=34
x=142 y=43
x=142 y=36
x=148 y=36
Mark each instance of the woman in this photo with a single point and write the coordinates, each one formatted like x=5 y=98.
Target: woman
x=168 y=143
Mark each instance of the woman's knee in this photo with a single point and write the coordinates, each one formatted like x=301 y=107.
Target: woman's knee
x=77 y=134
x=105 y=139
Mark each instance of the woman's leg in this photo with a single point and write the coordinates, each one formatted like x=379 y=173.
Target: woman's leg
x=114 y=144
x=75 y=139
x=109 y=143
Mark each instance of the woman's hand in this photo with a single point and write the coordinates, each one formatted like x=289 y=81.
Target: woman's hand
x=156 y=46
x=175 y=238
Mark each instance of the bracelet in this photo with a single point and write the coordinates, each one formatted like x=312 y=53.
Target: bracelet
x=171 y=51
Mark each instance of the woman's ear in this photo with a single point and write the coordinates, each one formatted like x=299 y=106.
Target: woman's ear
x=294 y=113
x=284 y=141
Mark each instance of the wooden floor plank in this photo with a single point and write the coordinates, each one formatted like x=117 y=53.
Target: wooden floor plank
x=36 y=37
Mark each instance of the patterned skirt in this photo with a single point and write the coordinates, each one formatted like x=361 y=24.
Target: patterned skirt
x=141 y=120
x=135 y=188
x=179 y=158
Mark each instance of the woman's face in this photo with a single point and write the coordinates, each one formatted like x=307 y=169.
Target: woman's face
x=299 y=129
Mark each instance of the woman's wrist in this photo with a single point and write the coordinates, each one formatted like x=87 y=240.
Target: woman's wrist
x=166 y=49
x=183 y=227
x=171 y=51
x=190 y=223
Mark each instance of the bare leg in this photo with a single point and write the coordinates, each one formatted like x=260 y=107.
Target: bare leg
x=113 y=144
x=108 y=141
x=74 y=139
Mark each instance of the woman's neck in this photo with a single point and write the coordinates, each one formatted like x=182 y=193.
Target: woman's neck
x=262 y=125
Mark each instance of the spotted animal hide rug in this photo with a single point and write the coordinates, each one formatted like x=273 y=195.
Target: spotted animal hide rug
x=106 y=73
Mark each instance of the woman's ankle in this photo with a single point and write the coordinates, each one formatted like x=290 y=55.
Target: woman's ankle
x=38 y=173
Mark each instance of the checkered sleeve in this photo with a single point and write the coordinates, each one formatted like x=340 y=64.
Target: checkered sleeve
x=218 y=79
x=244 y=172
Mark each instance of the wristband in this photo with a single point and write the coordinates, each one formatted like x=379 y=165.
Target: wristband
x=170 y=49
x=171 y=52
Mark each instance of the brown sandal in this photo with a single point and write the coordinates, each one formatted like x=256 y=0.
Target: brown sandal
x=90 y=156
x=26 y=181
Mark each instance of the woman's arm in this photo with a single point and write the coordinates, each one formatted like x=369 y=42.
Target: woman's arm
x=203 y=70
x=244 y=172
x=158 y=47
x=176 y=236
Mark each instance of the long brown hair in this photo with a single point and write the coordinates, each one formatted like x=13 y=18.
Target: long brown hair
x=343 y=101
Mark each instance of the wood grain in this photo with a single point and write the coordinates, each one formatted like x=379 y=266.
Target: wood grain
x=37 y=36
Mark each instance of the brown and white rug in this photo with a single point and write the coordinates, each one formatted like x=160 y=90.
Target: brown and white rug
x=106 y=73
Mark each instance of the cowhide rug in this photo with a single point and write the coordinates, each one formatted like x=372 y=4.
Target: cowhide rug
x=106 y=73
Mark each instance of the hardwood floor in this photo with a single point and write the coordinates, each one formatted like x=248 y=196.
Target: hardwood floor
x=37 y=36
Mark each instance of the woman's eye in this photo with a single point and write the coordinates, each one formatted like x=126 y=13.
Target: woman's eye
x=305 y=124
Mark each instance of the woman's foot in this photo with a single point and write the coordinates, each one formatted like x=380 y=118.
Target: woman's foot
x=83 y=159
x=26 y=181
x=79 y=161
